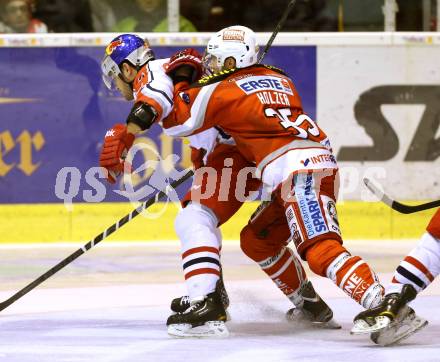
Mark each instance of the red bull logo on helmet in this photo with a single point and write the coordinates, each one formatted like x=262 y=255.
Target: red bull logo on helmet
x=112 y=46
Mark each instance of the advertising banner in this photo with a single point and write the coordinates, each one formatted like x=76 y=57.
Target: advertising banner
x=380 y=106
x=55 y=110
x=378 y=103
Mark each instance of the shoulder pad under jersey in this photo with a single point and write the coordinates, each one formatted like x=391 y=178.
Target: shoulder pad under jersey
x=275 y=69
x=217 y=77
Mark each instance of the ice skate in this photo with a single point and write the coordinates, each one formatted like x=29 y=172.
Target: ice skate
x=403 y=326
x=314 y=311
x=203 y=319
x=392 y=320
x=181 y=304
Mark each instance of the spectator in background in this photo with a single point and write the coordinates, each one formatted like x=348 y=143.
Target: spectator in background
x=197 y=11
x=18 y=18
x=150 y=15
x=306 y=16
x=359 y=15
x=65 y=16
x=313 y=15
x=264 y=15
x=224 y=13
x=103 y=16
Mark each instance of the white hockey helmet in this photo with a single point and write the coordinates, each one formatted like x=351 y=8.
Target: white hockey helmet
x=235 y=41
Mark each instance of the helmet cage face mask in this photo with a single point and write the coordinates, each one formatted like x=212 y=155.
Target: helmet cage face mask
x=238 y=42
x=120 y=50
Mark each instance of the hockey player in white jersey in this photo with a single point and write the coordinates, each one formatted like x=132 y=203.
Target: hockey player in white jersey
x=393 y=320
x=129 y=66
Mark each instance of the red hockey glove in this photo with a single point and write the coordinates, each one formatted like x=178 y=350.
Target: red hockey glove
x=117 y=142
x=190 y=58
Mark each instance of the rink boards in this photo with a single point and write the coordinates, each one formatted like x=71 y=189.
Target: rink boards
x=376 y=95
x=54 y=223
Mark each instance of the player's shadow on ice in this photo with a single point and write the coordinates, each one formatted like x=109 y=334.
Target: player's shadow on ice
x=274 y=328
x=53 y=325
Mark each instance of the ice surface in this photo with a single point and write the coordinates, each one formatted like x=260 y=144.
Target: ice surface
x=90 y=313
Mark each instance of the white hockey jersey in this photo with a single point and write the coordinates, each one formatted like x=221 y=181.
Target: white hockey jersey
x=155 y=88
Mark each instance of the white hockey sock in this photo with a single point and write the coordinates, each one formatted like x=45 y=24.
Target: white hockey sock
x=420 y=266
x=196 y=227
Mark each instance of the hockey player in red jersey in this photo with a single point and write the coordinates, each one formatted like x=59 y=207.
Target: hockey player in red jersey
x=260 y=108
x=393 y=320
x=138 y=76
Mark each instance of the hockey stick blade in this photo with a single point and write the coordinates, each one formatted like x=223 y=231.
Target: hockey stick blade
x=377 y=190
x=152 y=200
x=395 y=205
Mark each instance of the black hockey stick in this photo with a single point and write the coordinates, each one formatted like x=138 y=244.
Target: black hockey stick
x=277 y=29
x=96 y=240
x=395 y=205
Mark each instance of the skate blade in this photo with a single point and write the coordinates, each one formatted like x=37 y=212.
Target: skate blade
x=228 y=315
x=300 y=319
x=362 y=327
x=211 y=329
x=331 y=324
x=398 y=332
